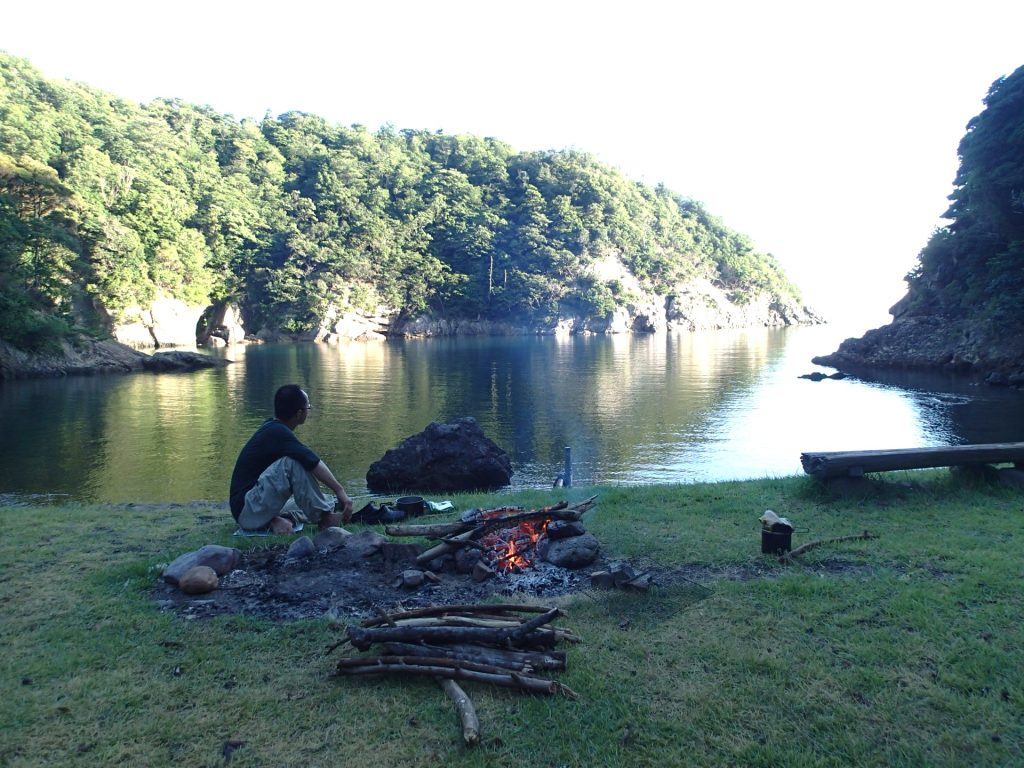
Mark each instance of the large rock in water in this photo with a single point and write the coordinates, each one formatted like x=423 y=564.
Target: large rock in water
x=84 y=356
x=443 y=458
x=181 y=360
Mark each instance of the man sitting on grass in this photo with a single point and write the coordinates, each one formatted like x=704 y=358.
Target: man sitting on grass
x=275 y=467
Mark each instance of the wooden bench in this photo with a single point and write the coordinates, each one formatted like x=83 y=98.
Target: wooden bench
x=831 y=464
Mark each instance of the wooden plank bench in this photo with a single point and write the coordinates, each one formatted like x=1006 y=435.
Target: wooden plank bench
x=831 y=464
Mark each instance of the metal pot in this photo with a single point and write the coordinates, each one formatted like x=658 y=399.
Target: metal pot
x=411 y=505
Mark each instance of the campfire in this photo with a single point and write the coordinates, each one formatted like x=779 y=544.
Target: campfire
x=506 y=540
x=514 y=549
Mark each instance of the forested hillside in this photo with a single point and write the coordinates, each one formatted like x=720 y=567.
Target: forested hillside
x=976 y=263
x=964 y=307
x=106 y=205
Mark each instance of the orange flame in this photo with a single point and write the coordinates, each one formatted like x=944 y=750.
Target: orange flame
x=514 y=548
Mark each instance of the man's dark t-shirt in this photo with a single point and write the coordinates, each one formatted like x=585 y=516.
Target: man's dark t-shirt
x=272 y=441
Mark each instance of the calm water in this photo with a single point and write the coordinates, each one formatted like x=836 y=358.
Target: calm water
x=649 y=409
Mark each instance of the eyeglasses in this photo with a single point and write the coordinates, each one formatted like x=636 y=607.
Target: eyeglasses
x=309 y=407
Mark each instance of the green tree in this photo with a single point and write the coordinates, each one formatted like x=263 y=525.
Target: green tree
x=976 y=263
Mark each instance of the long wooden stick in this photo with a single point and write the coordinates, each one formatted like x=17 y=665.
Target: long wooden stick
x=446 y=668
x=456 y=621
x=443 y=530
x=445 y=610
x=517 y=661
x=535 y=623
x=485 y=526
x=559 y=511
x=464 y=708
x=363 y=638
x=432 y=531
x=448 y=545
x=787 y=557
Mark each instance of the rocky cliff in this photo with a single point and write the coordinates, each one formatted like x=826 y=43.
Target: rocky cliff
x=972 y=346
x=697 y=305
x=964 y=308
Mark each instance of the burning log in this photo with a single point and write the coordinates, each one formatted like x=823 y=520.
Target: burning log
x=465 y=709
x=498 y=519
x=517 y=661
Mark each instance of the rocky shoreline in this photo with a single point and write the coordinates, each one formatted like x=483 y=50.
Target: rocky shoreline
x=967 y=347
x=695 y=307
x=91 y=357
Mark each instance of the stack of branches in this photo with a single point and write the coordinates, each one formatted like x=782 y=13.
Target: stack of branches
x=492 y=644
x=461 y=533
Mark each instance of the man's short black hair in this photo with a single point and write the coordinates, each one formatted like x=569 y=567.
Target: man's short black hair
x=289 y=400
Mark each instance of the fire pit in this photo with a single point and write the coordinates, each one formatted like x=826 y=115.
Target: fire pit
x=506 y=540
x=489 y=553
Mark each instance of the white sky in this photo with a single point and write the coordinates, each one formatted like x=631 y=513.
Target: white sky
x=825 y=131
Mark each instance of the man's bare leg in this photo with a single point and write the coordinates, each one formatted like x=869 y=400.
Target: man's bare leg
x=329 y=520
x=281 y=526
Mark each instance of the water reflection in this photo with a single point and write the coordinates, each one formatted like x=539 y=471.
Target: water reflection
x=663 y=408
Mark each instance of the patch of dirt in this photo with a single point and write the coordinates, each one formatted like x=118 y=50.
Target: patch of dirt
x=358 y=580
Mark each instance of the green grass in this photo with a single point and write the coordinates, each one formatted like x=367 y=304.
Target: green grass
x=905 y=650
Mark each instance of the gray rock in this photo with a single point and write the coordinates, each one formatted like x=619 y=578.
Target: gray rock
x=574 y=552
x=365 y=544
x=443 y=562
x=542 y=547
x=482 y=572
x=621 y=573
x=410 y=579
x=564 y=529
x=443 y=458
x=302 y=548
x=221 y=559
x=331 y=538
x=466 y=559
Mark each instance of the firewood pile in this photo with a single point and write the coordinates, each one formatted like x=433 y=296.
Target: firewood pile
x=510 y=646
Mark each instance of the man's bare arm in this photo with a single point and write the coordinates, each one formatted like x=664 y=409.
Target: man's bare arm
x=323 y=473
